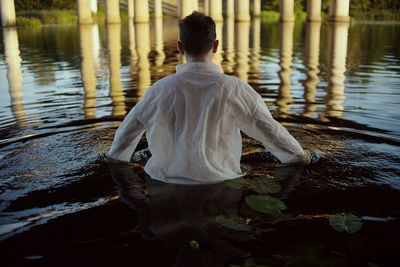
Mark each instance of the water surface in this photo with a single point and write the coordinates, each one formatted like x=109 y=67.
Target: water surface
x=64 y=90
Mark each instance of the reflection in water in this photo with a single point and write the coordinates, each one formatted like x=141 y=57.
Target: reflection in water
x=143 y=49
x=114 y=56
x=189 y=214
x=311 y=61
x=256 y=47
x=159 y=40
x=132 y=48
x=96 y=48
x=286 y=57
x=229 y=44
x=337 y=51
x=14 y=74
x=217 y=57
x=242 y=49
x=88 y=69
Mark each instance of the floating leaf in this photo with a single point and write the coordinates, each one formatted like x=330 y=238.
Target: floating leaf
x=262 y=185
x=194 y=244
x=265 y=204
x=345 y=223
x=232 y=224
x=235 y=183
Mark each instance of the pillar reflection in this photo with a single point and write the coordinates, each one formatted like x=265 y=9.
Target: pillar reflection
x=286 y=58
x=311 y=61
x=132 y=47
x=114 y=59
x=229 y=44
x=159 y=41
x=217 y=57
x=14 y=73
x=256 y=46
x=337 y=51
x=242 y=29
x=88 y=69
x=143 y=50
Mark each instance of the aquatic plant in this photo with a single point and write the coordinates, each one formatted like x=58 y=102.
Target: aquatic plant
x=265 y=204
x=345 y=223
x=233 y=224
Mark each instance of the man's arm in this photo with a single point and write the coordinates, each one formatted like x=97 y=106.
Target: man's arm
x=256 y=121
x=127 y=137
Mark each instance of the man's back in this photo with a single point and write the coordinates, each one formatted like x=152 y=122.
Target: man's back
x=192 y=121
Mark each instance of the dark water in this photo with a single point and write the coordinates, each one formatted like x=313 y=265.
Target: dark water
x=65 y=89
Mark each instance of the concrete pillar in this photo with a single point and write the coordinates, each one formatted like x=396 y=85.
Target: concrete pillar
x=84 y=12
x=7 y=13
x=311 y=61
x=93 y=6
x=313 y=10
x=207 y=7
x=158 y=9
x=229 y=44
x=242 y=30
x=286 y=60
x=230 y=8
x=142 y=11
x=242 y=11
x=159 y=46
x=337 y=53
x=112 y=11
x=339 y=10
x=216 y=10
x=14 y=73
x=217 y=57
x=256 y=8
x=287 y=10
x=143 y=50
x=114 y=59
x=131 y=9
x=87 y=69
x=186 y=7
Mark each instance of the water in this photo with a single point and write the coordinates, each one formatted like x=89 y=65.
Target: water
x=64 y=90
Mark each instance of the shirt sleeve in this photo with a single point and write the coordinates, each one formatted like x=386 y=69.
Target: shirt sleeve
x=256 y=121
x=127 y=136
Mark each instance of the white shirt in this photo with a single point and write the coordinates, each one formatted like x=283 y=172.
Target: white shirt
x=193 y=120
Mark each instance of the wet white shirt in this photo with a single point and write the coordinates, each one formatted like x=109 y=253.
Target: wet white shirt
x=192 y=121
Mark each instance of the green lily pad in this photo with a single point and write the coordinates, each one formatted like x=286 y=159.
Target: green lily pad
x=232 y=224
x=265 y=204
x=345 y=223
x=194 y=244
x=262 y=185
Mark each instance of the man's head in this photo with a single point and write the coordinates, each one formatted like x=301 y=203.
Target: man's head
x=197 y=34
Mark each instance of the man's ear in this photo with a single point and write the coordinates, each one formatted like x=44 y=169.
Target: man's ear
x=180 y=48
x=215 y=46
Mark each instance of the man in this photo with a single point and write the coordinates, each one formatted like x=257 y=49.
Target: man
x=193 y=118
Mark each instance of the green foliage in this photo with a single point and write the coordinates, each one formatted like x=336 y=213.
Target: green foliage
x=232 y=224
x=24 y=5
x=51 y=16
x=345 y=223
x=265 y=204
x=28 y=22
x=260 y=185
x=194 y=244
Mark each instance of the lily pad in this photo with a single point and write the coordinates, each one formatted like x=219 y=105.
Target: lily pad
x=232 y=224
x=262 y=185
x=265 y=204
x=345 y=223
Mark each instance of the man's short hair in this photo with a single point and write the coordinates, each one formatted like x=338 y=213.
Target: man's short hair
x=197 y=34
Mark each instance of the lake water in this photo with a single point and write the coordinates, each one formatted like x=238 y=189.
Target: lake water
x=64 y=90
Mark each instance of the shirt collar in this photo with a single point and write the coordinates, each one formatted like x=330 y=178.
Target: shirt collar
x=198 y=66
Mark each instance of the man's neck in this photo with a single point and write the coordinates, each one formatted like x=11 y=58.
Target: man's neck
x=203 y=58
